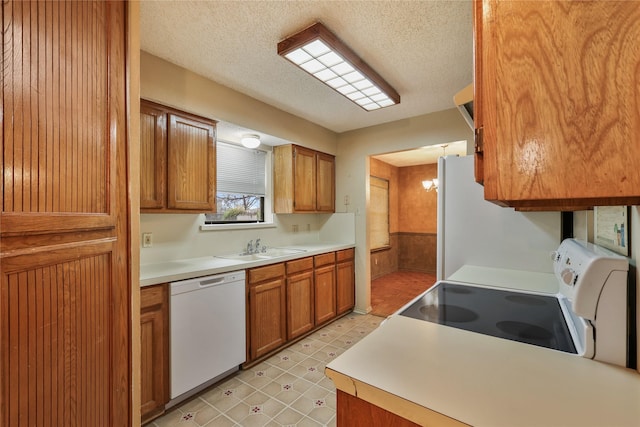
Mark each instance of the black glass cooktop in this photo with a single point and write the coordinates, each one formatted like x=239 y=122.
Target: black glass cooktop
x=528 y=318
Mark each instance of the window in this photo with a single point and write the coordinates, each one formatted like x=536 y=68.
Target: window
x=240 y=186
x=379 y=208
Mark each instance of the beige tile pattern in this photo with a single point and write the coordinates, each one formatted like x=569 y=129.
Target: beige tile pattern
x=288 y=389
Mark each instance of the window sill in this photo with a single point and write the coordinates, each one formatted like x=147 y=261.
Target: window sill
x=250 y=226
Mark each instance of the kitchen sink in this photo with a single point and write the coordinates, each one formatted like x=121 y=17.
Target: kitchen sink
x=270 y=253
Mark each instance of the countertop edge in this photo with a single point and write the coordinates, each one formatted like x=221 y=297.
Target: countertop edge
x=390 y=402
x=203 y=266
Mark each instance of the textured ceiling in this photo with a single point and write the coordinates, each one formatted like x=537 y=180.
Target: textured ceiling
x=422 y=48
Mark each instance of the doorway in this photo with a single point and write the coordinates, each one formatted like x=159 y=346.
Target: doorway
x=406 y=266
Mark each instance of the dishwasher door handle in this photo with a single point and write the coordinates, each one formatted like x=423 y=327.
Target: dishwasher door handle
x=212 y=282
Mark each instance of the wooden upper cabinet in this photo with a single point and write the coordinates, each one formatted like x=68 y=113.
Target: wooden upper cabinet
x=556 y=102
x=325 y=183
x=178 y=160
x=192 y=166
x=153 y=156
x=304 y=180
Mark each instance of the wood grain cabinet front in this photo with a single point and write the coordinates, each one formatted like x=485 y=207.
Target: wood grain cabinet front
x=299 y=297
x=556 y=102
x=65 y=222
x=154 y=363
x=304 y=180
x=345 y=281
x=286 y=301
x=266 y=302
x=325 y=287
x=177 y=160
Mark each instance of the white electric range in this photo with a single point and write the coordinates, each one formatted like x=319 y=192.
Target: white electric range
x=588 y=316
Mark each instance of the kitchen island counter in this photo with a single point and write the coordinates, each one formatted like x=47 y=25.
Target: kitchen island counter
x=182 y=269
x=437 y=375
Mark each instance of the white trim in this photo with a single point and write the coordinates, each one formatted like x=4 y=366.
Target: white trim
x=239 y=226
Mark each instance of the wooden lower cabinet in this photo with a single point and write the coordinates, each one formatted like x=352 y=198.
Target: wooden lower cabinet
x=154 y=354
x=287 y=300
x=266 y=302
x=355 y=412
x=324 y=287
x=345 y=281
x=299 y=297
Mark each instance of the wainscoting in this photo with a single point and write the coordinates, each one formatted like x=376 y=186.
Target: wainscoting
x=407 y=252
x=417 y=252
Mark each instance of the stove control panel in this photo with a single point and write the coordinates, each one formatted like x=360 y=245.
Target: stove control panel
x=582 y=270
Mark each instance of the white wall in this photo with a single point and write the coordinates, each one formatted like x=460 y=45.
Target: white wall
x=352 y=172
x=178 y=236
x=635 y=255
x=171 y=85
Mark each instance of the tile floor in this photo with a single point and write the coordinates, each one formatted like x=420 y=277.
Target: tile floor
x=392 y=291
x=288 y=389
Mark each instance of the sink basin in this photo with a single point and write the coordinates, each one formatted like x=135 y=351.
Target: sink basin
x=269 y=254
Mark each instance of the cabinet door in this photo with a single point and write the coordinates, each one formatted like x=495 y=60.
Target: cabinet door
x=325 y=293
x=345 y=286
x=154 y=337
x=267 y=321
x=325 y=182
x=304 y=180
x=191 y=163
x=65 y=289
x=559 y=102
x=153 y=155
x=299 y=304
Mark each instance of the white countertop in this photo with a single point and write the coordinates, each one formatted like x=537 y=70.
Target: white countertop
x=182 y=269
x=500 y=277
x=486 y=381
x=435 y=374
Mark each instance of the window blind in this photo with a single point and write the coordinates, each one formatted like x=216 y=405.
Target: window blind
x=240 y=170
x=379 y=212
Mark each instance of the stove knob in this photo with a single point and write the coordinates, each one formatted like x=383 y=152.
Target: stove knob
x=568 y=276
x=555 y=256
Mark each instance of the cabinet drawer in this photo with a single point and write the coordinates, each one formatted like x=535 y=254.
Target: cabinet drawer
x=344 y=255
x=324 y=259
x=152 y=295
x=267 y=272
x=298 y=265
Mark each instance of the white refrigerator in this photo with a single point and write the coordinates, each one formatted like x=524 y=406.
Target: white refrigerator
x=472 y=231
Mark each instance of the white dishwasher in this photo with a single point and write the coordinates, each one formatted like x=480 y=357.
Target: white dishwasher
x=207 y=331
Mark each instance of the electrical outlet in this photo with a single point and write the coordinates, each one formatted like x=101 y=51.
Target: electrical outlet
x=346 y=200
x=295 y=228
x=308 y=227
x=147 y=241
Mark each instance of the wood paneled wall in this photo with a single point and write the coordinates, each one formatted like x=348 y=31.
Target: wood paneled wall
x=65 y=288
x=417 y=208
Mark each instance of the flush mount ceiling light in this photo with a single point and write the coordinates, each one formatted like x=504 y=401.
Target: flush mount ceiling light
x=323 y=55
x=250 y=140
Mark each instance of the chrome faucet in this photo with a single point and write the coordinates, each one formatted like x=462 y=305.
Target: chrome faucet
x=250 y=247
x=257 y=248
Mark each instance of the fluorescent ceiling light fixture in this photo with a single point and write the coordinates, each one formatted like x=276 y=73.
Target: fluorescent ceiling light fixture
x=323 y=55
x=250 y=141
